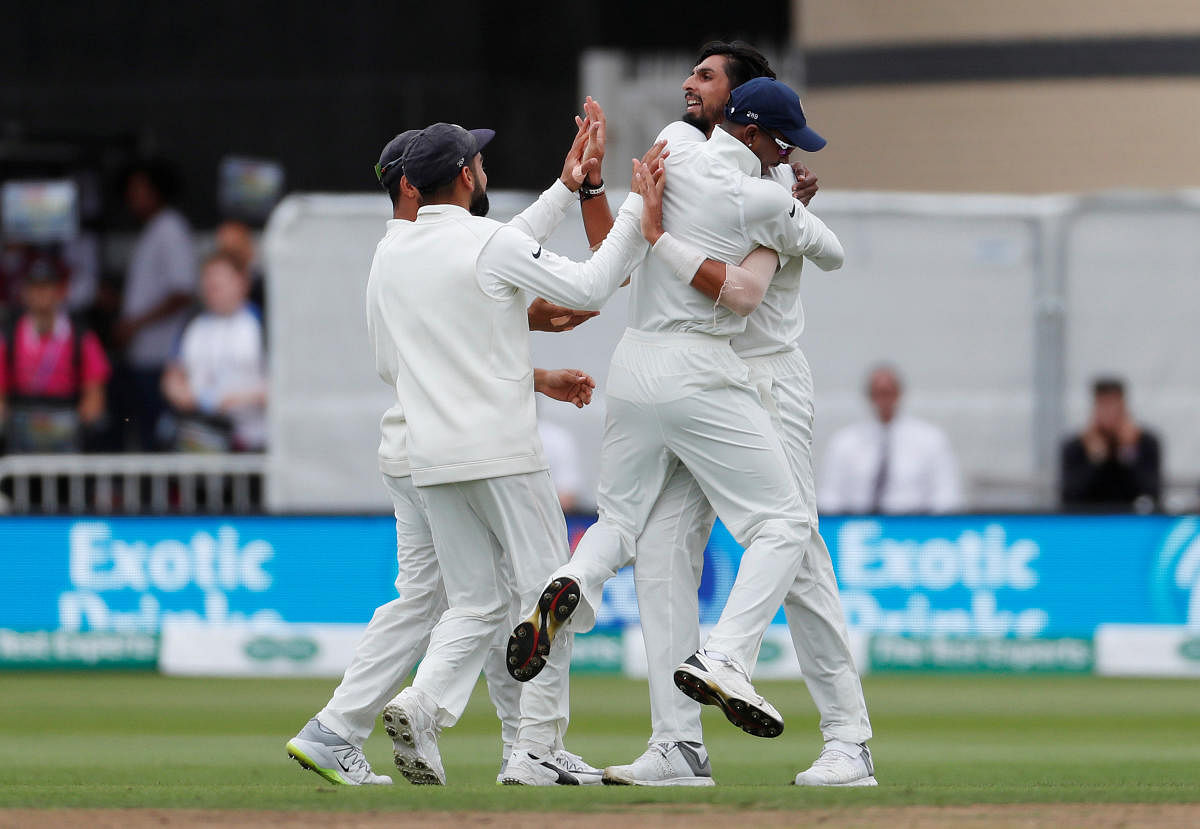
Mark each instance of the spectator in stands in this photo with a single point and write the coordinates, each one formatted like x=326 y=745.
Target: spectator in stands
x=160 y=286
x=562 y=456
x=52 y=369
x=1114 y=464
x=217 y=381
x=892 y=463
x=236 y=239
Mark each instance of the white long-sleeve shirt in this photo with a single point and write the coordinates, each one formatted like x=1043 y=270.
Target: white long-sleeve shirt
x=716 y=202
x=539 y=221
x=449 y=326
x=921 y=477
x=778 y=321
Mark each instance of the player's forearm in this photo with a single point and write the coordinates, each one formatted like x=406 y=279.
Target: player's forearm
x=597 y=219
x=740 y=288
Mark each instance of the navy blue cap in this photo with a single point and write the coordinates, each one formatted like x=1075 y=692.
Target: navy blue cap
x=389 y=167
x=773 y=105
x=439 y=151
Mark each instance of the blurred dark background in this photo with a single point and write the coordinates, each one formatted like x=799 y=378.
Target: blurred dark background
x=317 y=86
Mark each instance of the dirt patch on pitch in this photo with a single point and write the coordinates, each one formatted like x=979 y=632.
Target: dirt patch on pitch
x=987 y=816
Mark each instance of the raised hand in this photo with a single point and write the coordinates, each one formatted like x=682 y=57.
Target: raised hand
x=575 y=167
x=649 y=183
x=597 y=138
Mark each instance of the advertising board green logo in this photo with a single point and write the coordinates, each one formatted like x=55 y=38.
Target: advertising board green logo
x=770 y=652
x=1190 y=649
x=295 y=648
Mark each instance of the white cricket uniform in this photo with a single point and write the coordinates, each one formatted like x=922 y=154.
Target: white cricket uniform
x=398 y=632
x=679 y=395
x=670 y=551
x=445 y=297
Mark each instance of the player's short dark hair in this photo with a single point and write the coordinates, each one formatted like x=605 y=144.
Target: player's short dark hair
x=1108 y=385
x=393 y=189
x=162 y=174
x=742 y=61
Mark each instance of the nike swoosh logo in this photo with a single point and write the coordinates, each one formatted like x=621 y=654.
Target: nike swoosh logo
x=538 y=252
x=793 y=213
x=340 y=763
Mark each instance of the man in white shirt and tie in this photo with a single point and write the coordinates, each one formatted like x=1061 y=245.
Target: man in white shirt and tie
x=890 y=464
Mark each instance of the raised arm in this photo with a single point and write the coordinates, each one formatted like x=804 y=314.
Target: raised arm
x=597 y=216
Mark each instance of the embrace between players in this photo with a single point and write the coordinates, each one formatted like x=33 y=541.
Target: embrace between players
x=709 y=413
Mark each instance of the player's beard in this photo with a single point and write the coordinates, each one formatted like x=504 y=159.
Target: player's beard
x=700 y=122
x=479 y=200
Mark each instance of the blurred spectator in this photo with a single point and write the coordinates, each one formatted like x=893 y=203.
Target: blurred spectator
x=217 y=380
x=562 y=455
x=159 y=287
x=1114 y=464
x=52 y=370
x=890 y=464
x=236 y=239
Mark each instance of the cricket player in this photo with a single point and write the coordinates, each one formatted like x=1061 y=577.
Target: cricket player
x=446 y=291
x=678 y=394
x=398 y=633
x=670 y=549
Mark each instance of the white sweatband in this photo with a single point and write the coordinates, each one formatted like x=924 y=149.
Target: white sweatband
x=681 y=258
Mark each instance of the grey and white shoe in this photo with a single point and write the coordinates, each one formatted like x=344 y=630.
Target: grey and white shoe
x=665 y=764
x=525 y=769
x=586 y=774
x=711 y=680
x=414 y=740
x=323 y=751
x=840 y=764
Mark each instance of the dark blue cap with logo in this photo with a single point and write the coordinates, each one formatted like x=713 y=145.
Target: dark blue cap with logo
x=389 y=168
x=439 y=151
x=775 y=106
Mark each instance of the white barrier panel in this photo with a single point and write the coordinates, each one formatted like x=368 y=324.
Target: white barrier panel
x=256 y=650
x=1148 y=650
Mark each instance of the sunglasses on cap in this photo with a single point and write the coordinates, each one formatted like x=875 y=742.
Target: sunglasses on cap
x=381 y=171
x=784 y=147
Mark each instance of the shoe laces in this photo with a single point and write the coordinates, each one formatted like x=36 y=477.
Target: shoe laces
x=355 y=758
x=569 y=761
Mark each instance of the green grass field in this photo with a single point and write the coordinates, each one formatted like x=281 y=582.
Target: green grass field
x=77 y=740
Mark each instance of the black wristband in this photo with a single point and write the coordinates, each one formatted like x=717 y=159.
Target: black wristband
x=586 y=191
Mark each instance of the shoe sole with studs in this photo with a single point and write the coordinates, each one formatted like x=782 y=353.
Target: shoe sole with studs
x=742 y=713
x=411 y=765
x=529 y=644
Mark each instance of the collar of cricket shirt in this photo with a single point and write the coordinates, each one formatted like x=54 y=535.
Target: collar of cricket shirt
x=724 y=146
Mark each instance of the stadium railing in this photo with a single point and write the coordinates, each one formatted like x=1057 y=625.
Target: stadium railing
x=134 y=484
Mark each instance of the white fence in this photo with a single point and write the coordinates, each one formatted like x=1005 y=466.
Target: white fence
x=135 y=484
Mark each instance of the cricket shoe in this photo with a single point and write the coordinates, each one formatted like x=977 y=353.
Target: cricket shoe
x=318 y=749
x=711 y=680
x=525 y=769
x=414 y=740
x=529 y=644
x=840 y=764
x=665 y=764
x=586 y=774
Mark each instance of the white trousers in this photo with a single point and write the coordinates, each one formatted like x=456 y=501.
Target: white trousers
x=686 y=399
x=670 y=556
x=495 y=540
x=398 y=635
